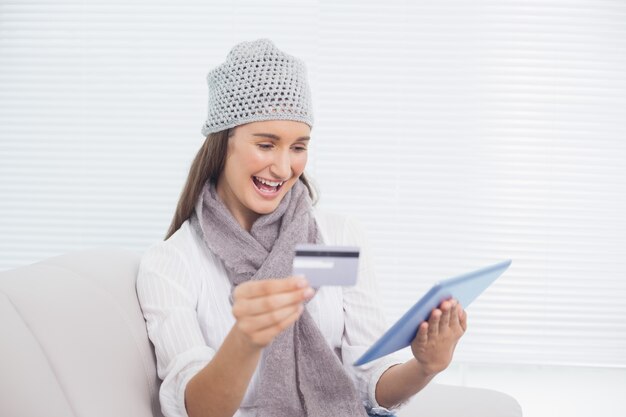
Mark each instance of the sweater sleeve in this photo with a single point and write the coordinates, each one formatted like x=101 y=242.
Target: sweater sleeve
x=364 y=324
x=168 y=296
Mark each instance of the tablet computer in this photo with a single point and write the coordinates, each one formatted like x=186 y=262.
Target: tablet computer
x=465 y=288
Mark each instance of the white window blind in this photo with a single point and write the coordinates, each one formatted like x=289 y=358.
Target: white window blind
x=458 y=133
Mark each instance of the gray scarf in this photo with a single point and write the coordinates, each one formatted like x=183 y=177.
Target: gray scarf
x=300 y=376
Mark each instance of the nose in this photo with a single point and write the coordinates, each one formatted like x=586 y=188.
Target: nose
x=281 y=166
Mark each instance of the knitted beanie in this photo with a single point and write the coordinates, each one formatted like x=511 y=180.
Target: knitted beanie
x=257 y=82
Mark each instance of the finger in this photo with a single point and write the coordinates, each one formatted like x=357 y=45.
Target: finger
x=263 y=305
x=260 y=322
x=433 y=322
x=463 y=318
x=454 y=314
x=445 y=315
x=254 y=289
x=266 y=335
x=422 y=333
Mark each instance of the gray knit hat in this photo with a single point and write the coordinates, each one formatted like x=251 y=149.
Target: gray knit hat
x=257 y=82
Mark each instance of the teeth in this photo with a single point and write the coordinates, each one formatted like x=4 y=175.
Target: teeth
x=270 y=183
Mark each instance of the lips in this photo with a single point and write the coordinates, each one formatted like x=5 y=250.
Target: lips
x=267 y=186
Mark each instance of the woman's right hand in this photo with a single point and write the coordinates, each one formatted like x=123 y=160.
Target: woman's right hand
x=265 y=308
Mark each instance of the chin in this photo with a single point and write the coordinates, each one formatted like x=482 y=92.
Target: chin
x=266 y=208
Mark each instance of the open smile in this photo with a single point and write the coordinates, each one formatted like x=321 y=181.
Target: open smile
x=267 y=187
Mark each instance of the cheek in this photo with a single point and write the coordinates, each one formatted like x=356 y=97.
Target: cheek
x=248 y=162
x=298 y=163
x=256 y=160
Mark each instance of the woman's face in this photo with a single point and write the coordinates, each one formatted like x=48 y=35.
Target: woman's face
x=263 y=161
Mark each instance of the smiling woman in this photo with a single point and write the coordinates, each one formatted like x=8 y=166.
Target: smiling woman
x=210 y=161
x=261 y=168
x=235 y=333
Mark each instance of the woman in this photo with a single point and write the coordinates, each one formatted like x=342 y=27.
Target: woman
x=234 y=333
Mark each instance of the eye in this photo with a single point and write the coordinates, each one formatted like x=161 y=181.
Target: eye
x=265 y=146
x=299 y=148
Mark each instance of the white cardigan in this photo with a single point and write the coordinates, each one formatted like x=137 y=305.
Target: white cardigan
x=184 y=293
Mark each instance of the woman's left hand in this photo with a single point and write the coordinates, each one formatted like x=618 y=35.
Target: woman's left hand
x=436 y=338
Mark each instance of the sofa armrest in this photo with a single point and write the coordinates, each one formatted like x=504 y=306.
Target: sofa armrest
x=439 y=400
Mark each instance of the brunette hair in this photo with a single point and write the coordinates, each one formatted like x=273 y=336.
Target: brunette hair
x=208 y=164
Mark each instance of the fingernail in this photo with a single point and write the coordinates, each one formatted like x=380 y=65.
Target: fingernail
x=301 y=281
x=308 y=292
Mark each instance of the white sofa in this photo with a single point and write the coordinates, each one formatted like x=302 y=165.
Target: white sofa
x=73 y=343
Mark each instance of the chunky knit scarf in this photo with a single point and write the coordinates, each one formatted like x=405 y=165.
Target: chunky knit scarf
x=300 y=376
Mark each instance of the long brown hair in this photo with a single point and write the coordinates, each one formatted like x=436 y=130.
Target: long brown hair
x=209 y=164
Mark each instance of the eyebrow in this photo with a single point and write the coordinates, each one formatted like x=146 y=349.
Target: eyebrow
x=276 y=137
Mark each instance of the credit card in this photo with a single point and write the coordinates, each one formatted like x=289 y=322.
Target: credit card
x=327 y=265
